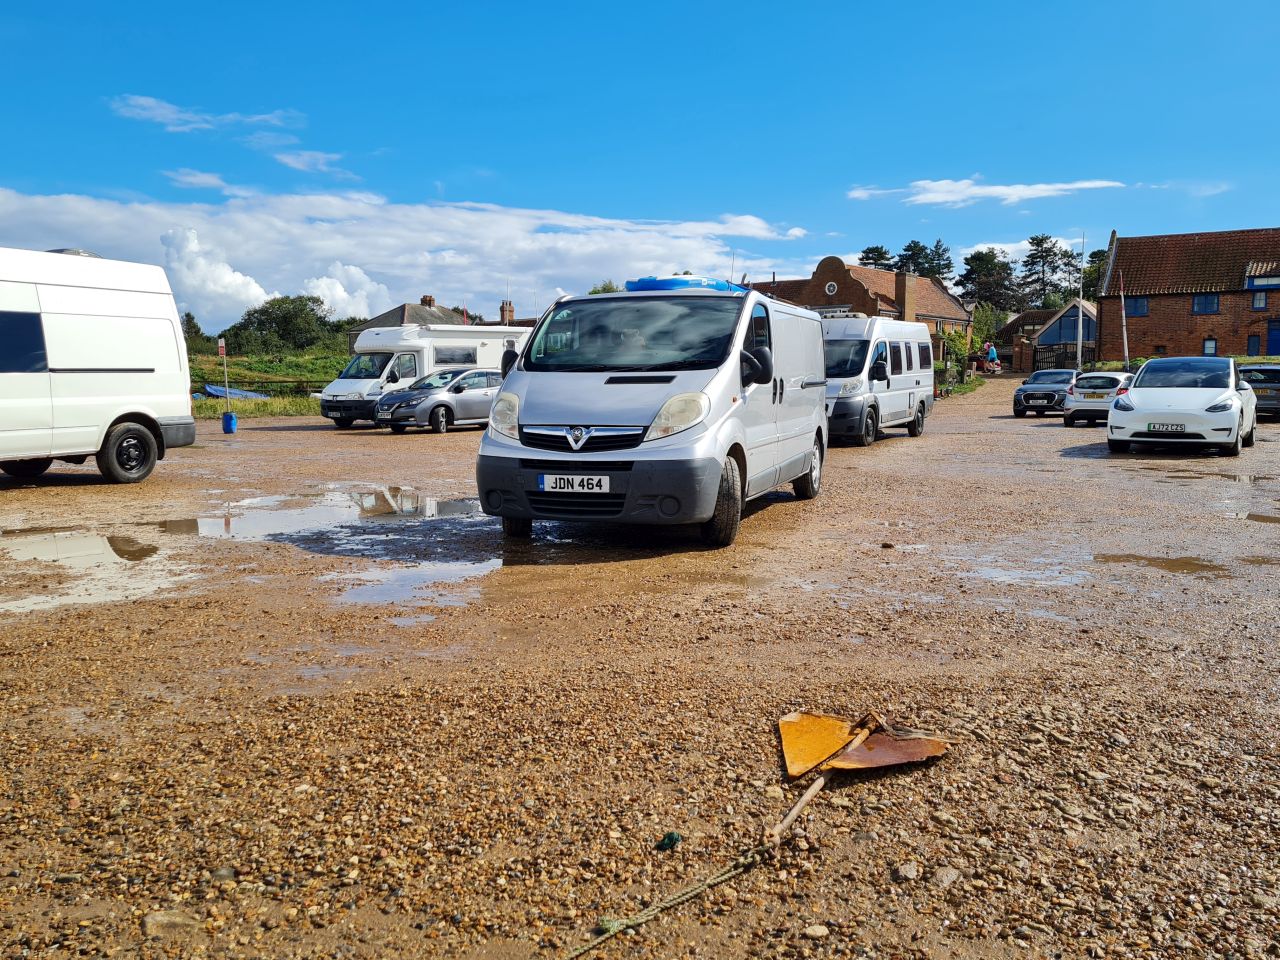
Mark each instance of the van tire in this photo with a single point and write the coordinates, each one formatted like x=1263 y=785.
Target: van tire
x=399 y=428
x=870 y=429
x=440 y=420
x=520 y=528
x=129 y=453
x=26 y=469
x=343 y=423
x=916 y=426
x=808 y=484
x=722 y=529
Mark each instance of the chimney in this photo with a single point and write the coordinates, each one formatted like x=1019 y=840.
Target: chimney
x=507 y=313
x=904 y=291
x=428 y=301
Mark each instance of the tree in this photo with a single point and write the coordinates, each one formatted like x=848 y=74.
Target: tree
x=989 y=278
x=280 y=324
x=1048 y=268
x=937 y=262
x=986 y=321
x=605 y=286
x=197 y=340
x=876 y=257
x=1093 y=274
x=913 y=258
x=472 y=315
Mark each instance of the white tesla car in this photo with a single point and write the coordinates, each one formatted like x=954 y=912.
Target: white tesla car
x=1185 y=400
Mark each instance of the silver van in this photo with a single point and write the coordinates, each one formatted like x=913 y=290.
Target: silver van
x=672 y=403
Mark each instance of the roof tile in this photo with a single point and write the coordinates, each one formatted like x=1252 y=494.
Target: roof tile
x=1191 y=262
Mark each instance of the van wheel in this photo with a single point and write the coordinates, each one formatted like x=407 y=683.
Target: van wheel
x=520 y=528
x=807 y=485
x=916 y=426
x=722 y=529
x=26 y=469
x=870 y=429
x=128 y=454
x=439 y=420
x=398 y=428
x=343 y=423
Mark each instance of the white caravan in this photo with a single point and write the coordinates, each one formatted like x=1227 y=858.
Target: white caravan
x=389 y=356
x=92 y=364
x=879 y=374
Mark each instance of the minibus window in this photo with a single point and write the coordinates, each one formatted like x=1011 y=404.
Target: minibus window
x=365 y=366
x=895 y=358
x=23 y=339
x=845 y=358
x=907 y=353
x=926 y=356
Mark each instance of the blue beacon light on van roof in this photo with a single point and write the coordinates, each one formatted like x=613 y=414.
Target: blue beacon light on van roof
x=683 y=283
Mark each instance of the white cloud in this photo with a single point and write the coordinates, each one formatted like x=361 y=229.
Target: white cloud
x=797 y=233
x=962 y=193
x=350 y=292
x=315 y=161
x=201 y=180
x=226 y=256
x=178 y=119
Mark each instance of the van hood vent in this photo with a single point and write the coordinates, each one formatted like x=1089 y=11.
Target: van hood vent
x=642 y=378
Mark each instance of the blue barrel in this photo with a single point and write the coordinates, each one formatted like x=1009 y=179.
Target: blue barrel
x=228 y=423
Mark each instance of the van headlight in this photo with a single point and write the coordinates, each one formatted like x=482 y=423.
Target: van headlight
x=681 y=412
x=1123 y=405
x=504 y=418
x=1222 y=406
x=851 y=387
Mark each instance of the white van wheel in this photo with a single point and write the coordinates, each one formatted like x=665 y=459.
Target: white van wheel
x=916 y=426
x=870 y=429
x=128 y=454
x=807 y=485
x=722 y=529
x=26 y=469
x=521 y=528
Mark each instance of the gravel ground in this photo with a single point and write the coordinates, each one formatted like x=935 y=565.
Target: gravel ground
x=251 y=710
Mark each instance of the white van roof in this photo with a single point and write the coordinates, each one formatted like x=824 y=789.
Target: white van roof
x=70 y=270
x=860 y=328
x=415 y=334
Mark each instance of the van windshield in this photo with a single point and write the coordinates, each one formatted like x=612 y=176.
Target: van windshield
x=846 y=358
x=365 y=366
x=636 y=333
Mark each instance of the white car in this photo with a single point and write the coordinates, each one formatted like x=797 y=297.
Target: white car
x=1090 y=397
x=1185 y=400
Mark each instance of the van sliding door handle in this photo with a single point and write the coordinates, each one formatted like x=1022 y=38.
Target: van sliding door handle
x=813 y=383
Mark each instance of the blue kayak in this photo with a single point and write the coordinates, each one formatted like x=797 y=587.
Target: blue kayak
x=222 y=393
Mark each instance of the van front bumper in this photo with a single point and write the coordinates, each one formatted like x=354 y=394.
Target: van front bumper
x=177 y=431
x=348 y=409
x=847 y=414
x=640 y=491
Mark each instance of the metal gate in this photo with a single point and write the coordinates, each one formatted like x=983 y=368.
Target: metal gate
x=1062 y=356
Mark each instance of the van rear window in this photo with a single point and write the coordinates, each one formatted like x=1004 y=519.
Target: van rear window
x=23 y=337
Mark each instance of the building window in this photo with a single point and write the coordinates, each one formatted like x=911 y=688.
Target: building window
x=1259 y=299
x=1204 y=303
x=1161 y=349
x=1254 y=348
x=1210 y=347
x=1135 y=306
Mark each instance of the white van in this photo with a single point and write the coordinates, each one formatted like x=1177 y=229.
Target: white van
x=675 y=402
x=387 y=356
x=879 y=374
x=92 y=364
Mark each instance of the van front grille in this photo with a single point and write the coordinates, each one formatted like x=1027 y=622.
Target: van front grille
x=607 y=438
x=582 y=505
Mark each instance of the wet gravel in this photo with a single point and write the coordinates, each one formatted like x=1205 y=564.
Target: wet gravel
x=213 y=745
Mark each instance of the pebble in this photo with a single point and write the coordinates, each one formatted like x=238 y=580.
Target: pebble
x=166 y=923
x=906 y=872
x=816 y=932
x=774 y=792
x=944 y=877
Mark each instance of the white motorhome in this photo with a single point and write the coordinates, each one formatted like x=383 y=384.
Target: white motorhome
x=92 y=364
x=387 y=356
x=879 y=374
x=673 y=403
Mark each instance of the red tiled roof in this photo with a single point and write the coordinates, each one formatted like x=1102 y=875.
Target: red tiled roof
x=932 y=299
x=1191 y=262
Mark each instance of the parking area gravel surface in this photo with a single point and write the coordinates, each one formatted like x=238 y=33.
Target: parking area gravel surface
x=293 y=697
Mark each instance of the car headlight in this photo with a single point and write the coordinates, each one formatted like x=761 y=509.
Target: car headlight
x=681 y=412
x=1222 y=406
x=1123 y=404
x=850 y=387
x=504 y=418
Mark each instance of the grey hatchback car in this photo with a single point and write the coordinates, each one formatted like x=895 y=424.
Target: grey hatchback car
x=444 y=398
x=1265 y=380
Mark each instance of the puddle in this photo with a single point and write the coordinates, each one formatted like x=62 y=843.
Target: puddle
x=1256 y=517
x=1260 y=561
x=411 y=585
x=1037 y=571
x=1192 y=565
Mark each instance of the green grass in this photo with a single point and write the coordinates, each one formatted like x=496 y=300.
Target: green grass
x=301 y=366
x=249 y=409
x=970 y=385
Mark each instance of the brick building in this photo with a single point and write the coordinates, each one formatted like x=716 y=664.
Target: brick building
x=839 y=287
x=1192 y=294
x=1046 y=338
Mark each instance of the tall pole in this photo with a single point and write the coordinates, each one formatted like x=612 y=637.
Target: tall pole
x=1080 y=311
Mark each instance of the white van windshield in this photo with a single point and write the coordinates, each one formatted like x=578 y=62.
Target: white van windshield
x=846 y=358
x=636 y=333
x=365 y=366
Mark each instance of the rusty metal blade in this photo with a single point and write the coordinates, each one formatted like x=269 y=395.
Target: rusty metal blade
x=885 y=750
x=810 y=738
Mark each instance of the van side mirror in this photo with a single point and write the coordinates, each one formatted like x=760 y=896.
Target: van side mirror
x=757 y=366
x=393 y=377
x=509 y=358
x=879 y=371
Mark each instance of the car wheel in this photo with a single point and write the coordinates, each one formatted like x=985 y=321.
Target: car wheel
x=26 y=469
x=343 y=423
x=1039 y=413
x=439 y=420
x=1068 y=421
x=1019 y=413
x=1253 y=434
x=128 y=454
x=519 y=528
x=722 y=529
x=399 y=427
x=1117 y=446
x=807 y=485
x=916 y=426
x=1233 y=449
x=870 y=429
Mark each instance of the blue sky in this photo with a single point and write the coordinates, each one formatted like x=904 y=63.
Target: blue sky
x=370 y=155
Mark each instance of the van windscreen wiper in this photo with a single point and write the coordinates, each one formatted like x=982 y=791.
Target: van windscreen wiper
x=691 y=364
